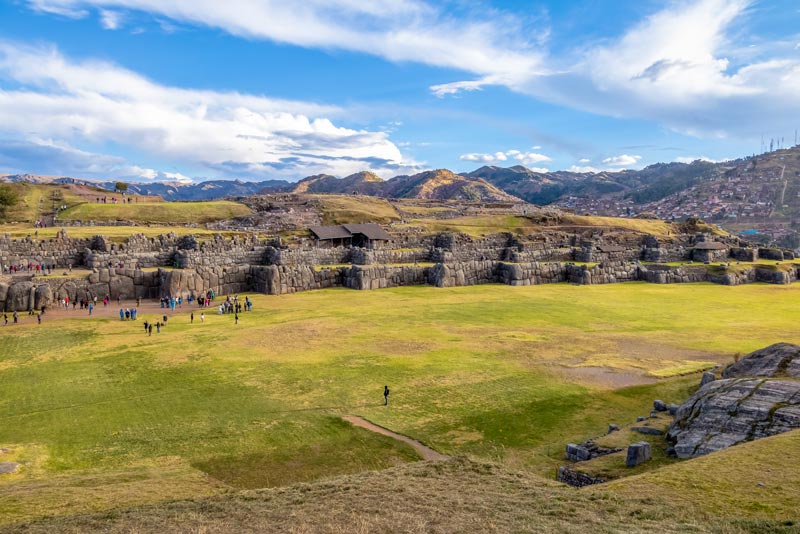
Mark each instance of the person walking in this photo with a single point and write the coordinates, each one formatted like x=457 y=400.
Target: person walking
x=386 y=395
x=191 y=318
x=236 y=318
x=202 y=317
x=39 y=318
x=150 y=329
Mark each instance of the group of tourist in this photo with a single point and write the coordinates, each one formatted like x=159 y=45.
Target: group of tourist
x=127 y=314
x=113 y=200
x=170 y=302
x=30 y=267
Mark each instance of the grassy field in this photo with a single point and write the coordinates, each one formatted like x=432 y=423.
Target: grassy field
x=114 y=233
x=491 y=372
x=157 y=212
x=341 y=209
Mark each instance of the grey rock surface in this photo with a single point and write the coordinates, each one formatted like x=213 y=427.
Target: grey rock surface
x=638 y=453
x=780 y=359
x=758 y=397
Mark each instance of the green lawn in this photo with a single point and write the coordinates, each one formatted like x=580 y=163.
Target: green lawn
x=493 y=372
x=157 y=212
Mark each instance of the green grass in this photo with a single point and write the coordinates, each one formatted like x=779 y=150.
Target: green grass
x=492 y=372
x=116 y=234
x=341 y=209
x=163 y=213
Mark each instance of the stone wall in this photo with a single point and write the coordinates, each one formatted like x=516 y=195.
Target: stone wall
x=603 y=273
x=383 y=276
x=463 y=274
x=528 y=274
x=60 y=252
x=576 y=478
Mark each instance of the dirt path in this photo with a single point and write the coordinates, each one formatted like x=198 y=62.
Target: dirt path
x=425 y=452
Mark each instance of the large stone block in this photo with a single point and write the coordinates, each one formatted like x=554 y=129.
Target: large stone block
x=638 y=453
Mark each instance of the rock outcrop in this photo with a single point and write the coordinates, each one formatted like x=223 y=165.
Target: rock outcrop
x=757 y=397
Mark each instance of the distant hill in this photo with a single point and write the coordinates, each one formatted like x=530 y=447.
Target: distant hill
x=440 y=184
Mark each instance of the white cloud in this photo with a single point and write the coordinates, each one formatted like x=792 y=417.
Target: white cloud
x=110 y=20
x=692 y=159
x=493 y=44
x=516 y=156
x=583 y=169
x=623 y=160
x=234 y=134
x=584 y=160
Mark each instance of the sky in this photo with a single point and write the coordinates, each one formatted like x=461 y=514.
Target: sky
x=191 y=90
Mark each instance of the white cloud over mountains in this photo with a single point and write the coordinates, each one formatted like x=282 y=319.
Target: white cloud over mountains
x=514 y=156
x=623 y=160
x=51 y=104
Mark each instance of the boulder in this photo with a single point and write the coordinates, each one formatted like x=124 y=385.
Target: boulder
x=731 y=411
x=18 y=297
x=44 y=296
x=660 y=406
x=780 y=359
x=708 y=376
x=638 y=453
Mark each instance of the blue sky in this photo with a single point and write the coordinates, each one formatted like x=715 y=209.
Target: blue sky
x=260 y=89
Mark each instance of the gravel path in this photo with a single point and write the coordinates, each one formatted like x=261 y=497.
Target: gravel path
x=425 y=452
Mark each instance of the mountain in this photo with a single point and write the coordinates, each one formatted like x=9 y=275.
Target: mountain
x=442 y=184
x=365 y=183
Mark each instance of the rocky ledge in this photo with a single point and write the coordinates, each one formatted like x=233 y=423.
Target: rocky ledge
x=757 y=397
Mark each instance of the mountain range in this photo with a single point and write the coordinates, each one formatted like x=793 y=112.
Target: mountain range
x=770 y=180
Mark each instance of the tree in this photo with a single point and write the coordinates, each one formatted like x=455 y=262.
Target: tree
x=121 y=187
x=8 y=198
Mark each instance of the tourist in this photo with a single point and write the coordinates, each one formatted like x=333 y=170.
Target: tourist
x=150 y=330
x=202 y=317
x=386 y=395
x=236 y=319
x=121 y=314
x=16 y=317
x=191 y=318
x=39 y=318
x=158 y=328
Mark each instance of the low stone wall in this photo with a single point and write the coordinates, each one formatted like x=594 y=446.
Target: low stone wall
x=383 y=276
x=463 y=274
x=528 y=274
x=362 y=256
x=662 y=274
x=308 y=256
x=576 y=478
x=603 y=273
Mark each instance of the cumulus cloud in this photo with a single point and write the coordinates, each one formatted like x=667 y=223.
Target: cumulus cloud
x=583 y=169
x=515 y=156
x=97 y=102
x=623 y=160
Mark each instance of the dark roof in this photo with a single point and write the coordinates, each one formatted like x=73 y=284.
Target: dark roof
x=371 y=230
x=610 y=248
x=710 y=245
x=346 y=231
x=330 y=232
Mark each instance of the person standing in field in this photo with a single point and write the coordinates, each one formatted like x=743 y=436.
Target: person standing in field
x=236 y=318
x=202 y=317
x=191 y=318
x=386 y=395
